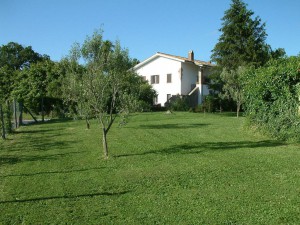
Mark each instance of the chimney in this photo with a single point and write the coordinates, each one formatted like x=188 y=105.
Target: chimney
x=191 y=55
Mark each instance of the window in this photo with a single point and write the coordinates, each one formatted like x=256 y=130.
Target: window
x=155 y=100
x=168 y=97
x=155 y=79
x=144 y=78
x=169 y=78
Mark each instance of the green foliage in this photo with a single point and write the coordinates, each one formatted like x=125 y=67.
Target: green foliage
x=233 y=85
x=146 y=95
x=105 y=86
x=242 y=41
x=179 y=103
x=181 y=168
x=17 y=57
x=38 y=87
x=14 y=60
x=272 y=97
x=241 y=44
x=210 y=103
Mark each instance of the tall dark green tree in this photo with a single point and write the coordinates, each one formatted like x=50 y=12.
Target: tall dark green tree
x=243 y=39
x=242 y=43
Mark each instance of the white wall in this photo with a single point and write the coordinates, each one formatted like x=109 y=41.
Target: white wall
x=203 y=87
x=162 y=66
x=183 y=76
x=189 y=77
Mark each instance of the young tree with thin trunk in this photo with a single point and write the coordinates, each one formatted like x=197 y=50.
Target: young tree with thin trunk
x=105 y=92
x=233 y=87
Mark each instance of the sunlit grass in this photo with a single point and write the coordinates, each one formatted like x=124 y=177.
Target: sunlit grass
x=181 y=168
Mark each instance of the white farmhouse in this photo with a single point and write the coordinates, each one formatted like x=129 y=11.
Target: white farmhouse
x=175 y=76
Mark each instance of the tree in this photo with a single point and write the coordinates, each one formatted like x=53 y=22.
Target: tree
x=33 y=86
x=105 y=92
x=241 y=44
x=5 y=89
x=17 y=57
x=3 y=97
x=234 y=86
x=13 y=59
x=242 y=41
x=73 y=88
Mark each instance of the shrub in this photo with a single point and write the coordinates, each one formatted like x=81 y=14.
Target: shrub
x=272 y=97
x=178 y=103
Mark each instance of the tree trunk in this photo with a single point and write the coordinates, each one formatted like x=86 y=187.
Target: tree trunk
x=2 y=123
x=21 y=113
x=15 y=113
x=104 y=141
x=238 y=110
x=9 y=117
x=35 y=120
x=43 y=116
x=87 y=123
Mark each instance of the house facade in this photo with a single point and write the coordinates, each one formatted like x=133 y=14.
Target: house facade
x=173 y=76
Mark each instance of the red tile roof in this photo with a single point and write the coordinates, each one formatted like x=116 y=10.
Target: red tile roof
x=197 y=62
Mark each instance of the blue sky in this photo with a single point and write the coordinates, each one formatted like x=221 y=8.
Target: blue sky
x=143 y=26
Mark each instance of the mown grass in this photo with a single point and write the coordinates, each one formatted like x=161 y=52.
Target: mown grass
x=181 y=168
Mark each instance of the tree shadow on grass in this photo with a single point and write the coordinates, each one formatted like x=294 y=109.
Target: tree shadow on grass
x=41 y=144
x=49 y=121
x=12 y=159
x=37 y=131
x=66 y=197
x=53 y=172
x=201 y=147
x=173 y=126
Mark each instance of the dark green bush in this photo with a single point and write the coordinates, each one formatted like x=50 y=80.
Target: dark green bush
x=179 y=103
x=272 y=98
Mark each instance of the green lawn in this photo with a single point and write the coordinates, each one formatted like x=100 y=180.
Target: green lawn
x=182 y=168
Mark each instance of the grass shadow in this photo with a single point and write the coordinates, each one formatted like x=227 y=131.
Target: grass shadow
x=66 y=197
x=173 y=126
x=50 y=121
x=9 y=159
x=36 y=131
x=200 y=147
x=53 y=172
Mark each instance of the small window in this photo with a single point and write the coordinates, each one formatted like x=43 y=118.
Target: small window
x=168 y=97
x=155 y=100
x=155 y=79
x=169 y=78
x=144 y=78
